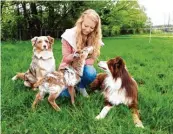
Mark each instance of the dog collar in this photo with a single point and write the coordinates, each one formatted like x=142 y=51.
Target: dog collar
x=41 y=58
x=43 y=55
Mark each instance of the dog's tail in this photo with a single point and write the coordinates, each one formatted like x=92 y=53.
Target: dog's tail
x=38 y=83
x=19 y=76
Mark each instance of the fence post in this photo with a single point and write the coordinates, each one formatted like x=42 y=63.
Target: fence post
x=45 y=32
x=41 y=32
x=20 y=35
x=57 y=34
x=150 y=34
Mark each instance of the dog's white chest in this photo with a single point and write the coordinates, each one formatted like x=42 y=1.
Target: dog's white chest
x=46 y=60
x=70 y=77
x=48 y=65
x=114 y=93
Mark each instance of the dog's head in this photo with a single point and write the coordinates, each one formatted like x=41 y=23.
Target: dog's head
x=83 y=54
x=113 y=66
x=42 y=43
x=79 y=58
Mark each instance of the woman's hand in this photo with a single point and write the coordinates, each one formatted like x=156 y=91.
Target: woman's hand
x=90 y=49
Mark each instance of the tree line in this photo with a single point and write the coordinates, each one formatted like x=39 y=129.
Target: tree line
x=26 y=19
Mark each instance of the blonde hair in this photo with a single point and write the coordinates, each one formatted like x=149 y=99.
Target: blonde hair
x=94 y=38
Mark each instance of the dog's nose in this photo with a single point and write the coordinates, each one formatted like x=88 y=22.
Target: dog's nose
x=44 y=46
x=65 y=68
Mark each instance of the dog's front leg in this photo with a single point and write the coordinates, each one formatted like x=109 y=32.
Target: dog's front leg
x=104 y=112
x=95 y=85
x=40 y=73
x=98 y=83
x=71 y=92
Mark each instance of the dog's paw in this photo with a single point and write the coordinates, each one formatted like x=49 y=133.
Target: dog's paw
x=33 y=107
x=73 y=104
x=58 y=109
x=34 y=89
x=27 y=84
x=98 y=117
x=139 y=124
x=14 y=78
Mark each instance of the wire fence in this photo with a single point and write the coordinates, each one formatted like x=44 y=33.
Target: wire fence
x=26 y=34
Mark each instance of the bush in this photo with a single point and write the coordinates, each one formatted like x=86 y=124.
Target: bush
x=115 y=30
x=106 y=31
x=156 y=31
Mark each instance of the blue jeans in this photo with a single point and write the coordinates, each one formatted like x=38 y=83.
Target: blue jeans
x=89 y=74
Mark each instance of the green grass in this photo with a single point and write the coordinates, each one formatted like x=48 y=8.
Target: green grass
x=151 y=64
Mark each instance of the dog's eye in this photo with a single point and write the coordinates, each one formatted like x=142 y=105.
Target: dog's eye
x=46 y=41
x=39 y=41
x=115 y=65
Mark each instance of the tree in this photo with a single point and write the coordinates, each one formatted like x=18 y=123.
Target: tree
x=26 y=19
x=124 y=15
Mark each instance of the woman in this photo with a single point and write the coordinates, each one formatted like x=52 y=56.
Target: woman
x=87 y=32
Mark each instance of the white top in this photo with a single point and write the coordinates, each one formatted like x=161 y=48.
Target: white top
x=70 y=36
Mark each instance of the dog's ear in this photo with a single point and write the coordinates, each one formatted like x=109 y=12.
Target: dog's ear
x=120 y=62
x=51 y=40
x=34 y=40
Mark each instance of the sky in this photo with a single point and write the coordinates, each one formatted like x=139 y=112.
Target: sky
x=160 y=11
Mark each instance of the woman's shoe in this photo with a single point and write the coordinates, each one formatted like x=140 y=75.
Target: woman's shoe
x=83 y=92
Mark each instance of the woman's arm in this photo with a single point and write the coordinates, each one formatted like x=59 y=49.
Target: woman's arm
x=67 y=52
x=89 y=61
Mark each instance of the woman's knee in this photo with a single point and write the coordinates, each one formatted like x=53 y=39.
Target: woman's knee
x=89 y=73
x=64 y=93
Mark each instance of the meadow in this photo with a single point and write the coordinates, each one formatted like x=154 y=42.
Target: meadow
x=151 y=65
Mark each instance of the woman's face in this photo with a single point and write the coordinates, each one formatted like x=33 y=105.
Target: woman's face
x=88 y=25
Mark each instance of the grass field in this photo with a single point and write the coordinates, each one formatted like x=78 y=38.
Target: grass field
x=151 y=64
